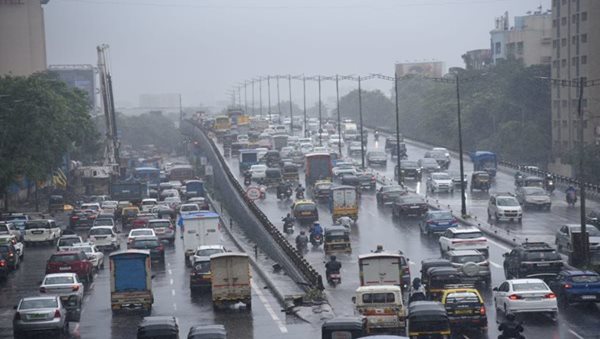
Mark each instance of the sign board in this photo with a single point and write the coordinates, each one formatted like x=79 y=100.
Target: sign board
x=253 y=193
x=208 y=170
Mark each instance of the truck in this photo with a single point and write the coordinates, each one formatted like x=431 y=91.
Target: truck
x=484 y=161
x=131 y=281
x=350 y=131
x=384 y=269
x=280 y=141
x=199 y=228
x=194 y=189
x=133 y=192
x=230 y=279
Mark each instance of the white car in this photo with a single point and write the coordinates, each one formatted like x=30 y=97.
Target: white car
x=92 y=206
x=64 y=285
x=109 y=206
x=13 y=240
x=335 y=140
x=104 y=237
x=306 y=147
x=173 y=202
x=91 y=251
x=320 y=149
x=41 y=231
x=67 y=241
x=242 y=138
x=343 y=168
x=260 y=152
x=203 y=253
x=440 y=182
x=525 y=296
x=258 y=172
x=147 y=204
x=285 y=151
x=140 y=232
x=504 y=206
x=7 y=227
x=464 y=238
x=163 y=228
x=189 y=208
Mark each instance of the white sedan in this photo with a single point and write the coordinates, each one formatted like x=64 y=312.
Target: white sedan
x=91 y=251
x=62 y=284
x=525 y=296
x=140 y=232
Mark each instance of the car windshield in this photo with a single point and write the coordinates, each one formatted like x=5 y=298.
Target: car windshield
x=68 y=241
x=389 y=189
x=541 y=255
x=378 y=298
x=64 y=258
x=100 y=231
x=428 y=161
x=58 y=280
x=465 y=297
x=207 y=252
x=377 y=154
x=440 y=176
x=305 y=207
x=146 y=243
x=469 y=235
x=36 y=225
x=86 y=249
x=411 y=200
x=463 y=259
x=441 y=215
x=138 y=233
x=103 y=222
x=409 y=164
x=507 y=202
x=590 y=278
x=590 y=230
x=38 y=303
x=189 y=208
x=532 y=286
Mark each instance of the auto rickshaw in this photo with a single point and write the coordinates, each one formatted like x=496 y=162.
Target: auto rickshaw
x=480 y=180
x=290 y=172
x=438 y=278
x=337 y=239
x=272 y=158
x=305 y=211
x=322 y=190
x=272 y=177
x=427 y=319
x=128 y=214
x=426 y=264
x=343 y=202
x=344 y=327
x=56 y=203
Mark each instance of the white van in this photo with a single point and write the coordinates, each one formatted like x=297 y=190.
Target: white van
x=382 y=305
x=41 y=231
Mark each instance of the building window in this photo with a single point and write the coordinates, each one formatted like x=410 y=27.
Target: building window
x=584 y=59
x=563 y=42
x=574 y=18
x=584 y=16
x=563 y=20
x=563 y=62
x=520 y=47
x=498 y=48
x=554 y=43
x=584 y=102
x=574 y=39
x=583 y=38
x=574 y=61
x=554 y=23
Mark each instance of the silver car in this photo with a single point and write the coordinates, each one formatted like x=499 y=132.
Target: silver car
x=564 y=237
x=533 y=197
x=40 y=314
x=472 y=264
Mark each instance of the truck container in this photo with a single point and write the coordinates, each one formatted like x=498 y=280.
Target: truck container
x=133 y=192
x=194 y=188
x=383 y=269
x=199 y=228
x=230 y=274
x=131 y=281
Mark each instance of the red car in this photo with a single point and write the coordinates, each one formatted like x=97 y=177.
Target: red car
x=71 y=261
x=141 y=220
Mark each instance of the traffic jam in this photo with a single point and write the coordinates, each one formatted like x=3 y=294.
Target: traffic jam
x=328 y=182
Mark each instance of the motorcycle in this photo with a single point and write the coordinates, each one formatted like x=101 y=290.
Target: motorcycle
x=550 y=186
x=285 y=194
x=300 y=194
x=334 y=278
x=302 y=244
x=514 y=332
x=571 y=198
x=288 y=227
x=376 y=137
x=247 y=181
x=316 y=240
x=263 y=193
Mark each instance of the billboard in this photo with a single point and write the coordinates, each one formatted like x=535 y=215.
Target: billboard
x=426 y=69
x=78 y=76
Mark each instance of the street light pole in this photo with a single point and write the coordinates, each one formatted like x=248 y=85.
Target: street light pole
x=245 y=97
x=339 y=115
x=304 y=96
x=269 y=97
x=463 y=202
x=253 y=109
x=291 y=108
x=278 y=99
x=362 y=144
x=320 y=117
x=584 y=237
x=398 y=161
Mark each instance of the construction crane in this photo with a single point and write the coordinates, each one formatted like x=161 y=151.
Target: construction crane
x=111 y=149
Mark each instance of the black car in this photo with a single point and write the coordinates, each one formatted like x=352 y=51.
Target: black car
x=593 y=218
x=367 y=180
x=409 y=205
x=442 y=158
x=389 y=143
x=164 y=327
x=9 y=252
x=4 y=270
x=532 y=260
x=200 y=275
x=394 y=151
x=410 y=170
x=376 y=158
x=157 y=250
x=387 y=194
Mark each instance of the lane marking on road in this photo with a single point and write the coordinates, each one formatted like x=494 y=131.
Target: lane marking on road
x=173 y=292
x=171 y=281
x=495 y=265
x=499 y=245
x=175 y=306
x=170 y=272
x=269 y=309
x=168 y=264
x=575 y=334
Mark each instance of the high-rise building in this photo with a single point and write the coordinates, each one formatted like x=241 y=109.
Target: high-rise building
x=82 y=77
x=529 y=40
x=22 y=37
x=575 y=50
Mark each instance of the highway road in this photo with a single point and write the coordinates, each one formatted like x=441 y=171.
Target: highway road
x=376 y=227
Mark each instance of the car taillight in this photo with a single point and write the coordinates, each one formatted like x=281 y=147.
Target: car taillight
x=429 y=222
x=514 y=297
x=75 y=288
x=42 y=290
x=57 y=314
x=2 y=263
x=567 y=286
x=482 y=310
x=171 y=227
x=17 y=316
x=550 y=296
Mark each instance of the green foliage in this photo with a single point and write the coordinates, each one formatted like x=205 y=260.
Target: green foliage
x=42 y=119
x=505 y=109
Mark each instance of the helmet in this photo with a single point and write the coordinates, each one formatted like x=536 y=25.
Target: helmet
x=332 y=258
x=380 y=247
x=302 y=232
x=510 y=317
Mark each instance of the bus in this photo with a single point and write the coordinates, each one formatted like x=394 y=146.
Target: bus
x=150 y=175
x=222 y=124
x=318 y=167
x=181 y=173
x=238 y=118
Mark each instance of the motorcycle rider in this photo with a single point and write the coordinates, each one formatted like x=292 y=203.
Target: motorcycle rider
x=332 y=267
x=518 y=178
x=376 y=135
x=549 y=182
x=571 y=194
x=418 y=291
x=510 y=328
x=301 y=241
x=281 y=188
x=379 y=249
x=299 y=192
x=316 y=230
x=247 y=178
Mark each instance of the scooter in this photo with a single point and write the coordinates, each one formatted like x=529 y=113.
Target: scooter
x=334 y=278
x=571 y=198
x=263 y=193
x=316 y=240
x=300 y=195
x=247 y=181
x=302 y=244
x=288 y=227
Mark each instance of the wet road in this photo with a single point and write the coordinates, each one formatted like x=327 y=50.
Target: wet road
x=172 y=297
x=376 y=227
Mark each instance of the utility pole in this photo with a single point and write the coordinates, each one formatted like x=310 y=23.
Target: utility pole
x=304 y=95
x=463 y=200
x=253 y=110
x=584 y=236
x=398 y=161
x=180 y=111
x=278 y=99
x=362 y=144
x=245 y=97
x=269 y=97
x=291 y=108
x=260 y=96
x=320 y=117
x=339 y=115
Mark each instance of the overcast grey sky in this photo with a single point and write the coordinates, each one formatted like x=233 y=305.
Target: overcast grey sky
x=200 y=48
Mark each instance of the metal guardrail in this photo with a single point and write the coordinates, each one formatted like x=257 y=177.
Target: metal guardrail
x=560 y=179
x=310 y=274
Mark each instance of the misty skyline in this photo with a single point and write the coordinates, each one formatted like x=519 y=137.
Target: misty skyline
x=201 y=48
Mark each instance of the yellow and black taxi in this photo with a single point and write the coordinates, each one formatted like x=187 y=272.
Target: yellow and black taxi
x=465 y=308
x=305 y=211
